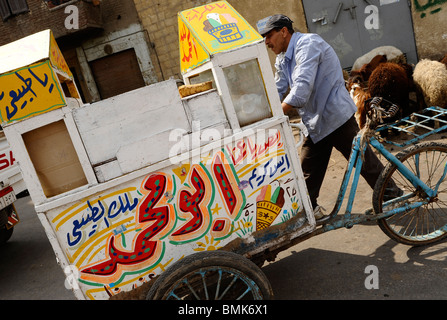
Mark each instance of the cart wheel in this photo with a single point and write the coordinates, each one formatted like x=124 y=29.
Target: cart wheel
x=425 y=224
x=212 y=275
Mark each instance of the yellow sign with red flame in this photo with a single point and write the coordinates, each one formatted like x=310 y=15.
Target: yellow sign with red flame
x=210 y=29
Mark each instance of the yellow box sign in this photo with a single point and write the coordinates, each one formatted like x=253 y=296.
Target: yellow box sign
x=56 y=57
x=191 y=52
x=216 y=27
x=29 y=91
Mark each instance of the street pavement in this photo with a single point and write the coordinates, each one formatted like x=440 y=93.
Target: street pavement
x=28 y=267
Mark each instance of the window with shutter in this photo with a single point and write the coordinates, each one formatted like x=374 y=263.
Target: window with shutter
x=55 y=3
x=4 y=10
x=18 y=6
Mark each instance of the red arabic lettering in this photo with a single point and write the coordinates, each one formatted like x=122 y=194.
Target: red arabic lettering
x=144 y=247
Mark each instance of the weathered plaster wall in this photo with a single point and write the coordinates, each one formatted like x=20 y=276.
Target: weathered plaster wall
x=430 y=28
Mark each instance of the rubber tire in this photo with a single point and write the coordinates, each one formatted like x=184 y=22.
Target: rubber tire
x=381 y=183
x=176 y=272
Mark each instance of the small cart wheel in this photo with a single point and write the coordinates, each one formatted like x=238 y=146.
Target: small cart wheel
x=212 y=275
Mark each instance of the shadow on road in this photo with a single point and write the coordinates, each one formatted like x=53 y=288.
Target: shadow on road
x=316 y=273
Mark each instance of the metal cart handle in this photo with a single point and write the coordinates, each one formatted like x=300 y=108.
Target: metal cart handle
x=303 y=132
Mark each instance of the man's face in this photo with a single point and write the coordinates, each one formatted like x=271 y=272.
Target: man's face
x=277 y=40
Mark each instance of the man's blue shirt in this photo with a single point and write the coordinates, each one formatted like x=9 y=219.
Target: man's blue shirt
x=312 y=71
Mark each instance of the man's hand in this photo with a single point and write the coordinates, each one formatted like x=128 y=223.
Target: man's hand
x=286 y=107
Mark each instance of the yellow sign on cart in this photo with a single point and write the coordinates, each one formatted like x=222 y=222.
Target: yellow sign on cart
x=192 y=53
x=210 y=29
x=57 y=59
x=28 y=91
x=32 y=70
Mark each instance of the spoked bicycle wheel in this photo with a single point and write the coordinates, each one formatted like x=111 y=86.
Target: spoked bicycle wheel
x=425 y=224
x=215 y=275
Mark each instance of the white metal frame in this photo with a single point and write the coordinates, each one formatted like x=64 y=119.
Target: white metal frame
x=223 y=60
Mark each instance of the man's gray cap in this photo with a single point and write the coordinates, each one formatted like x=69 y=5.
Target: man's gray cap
x=276 y=21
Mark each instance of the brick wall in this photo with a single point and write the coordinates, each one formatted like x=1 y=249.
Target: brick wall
x=41 y=17
x=159 y=18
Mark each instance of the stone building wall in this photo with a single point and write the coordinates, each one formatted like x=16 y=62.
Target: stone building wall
x=430 y=28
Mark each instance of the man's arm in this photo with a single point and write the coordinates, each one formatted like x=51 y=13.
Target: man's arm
x=286 y=107
x=282 y=84
x=303 y=76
